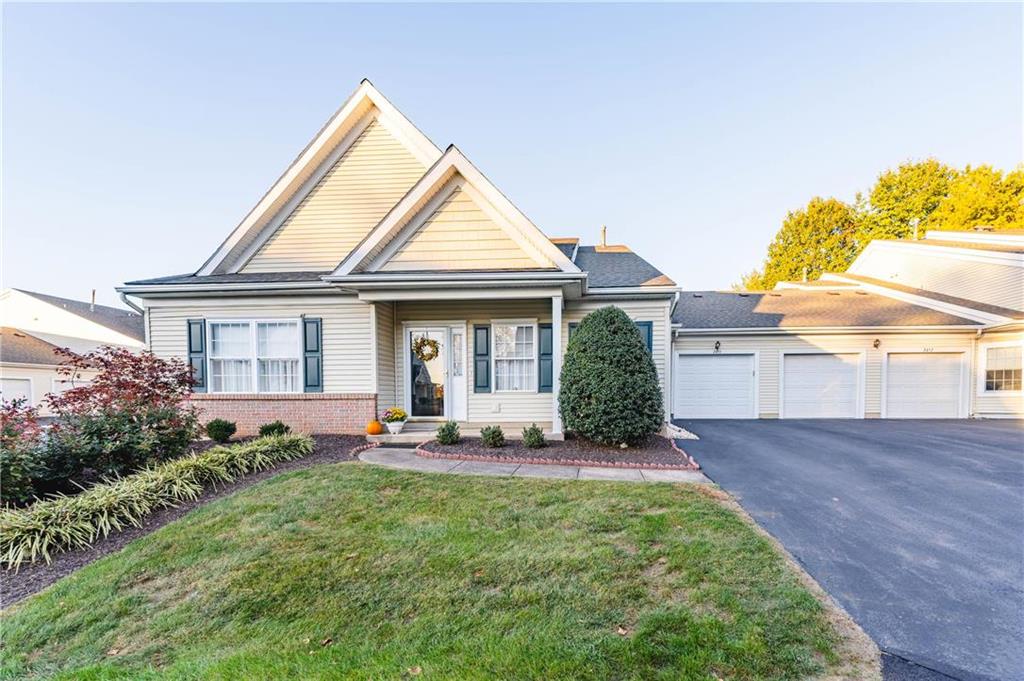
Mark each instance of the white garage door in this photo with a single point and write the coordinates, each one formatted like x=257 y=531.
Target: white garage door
x=714 y=387
x=16 y=388
x=820 y=386
x=923 y=385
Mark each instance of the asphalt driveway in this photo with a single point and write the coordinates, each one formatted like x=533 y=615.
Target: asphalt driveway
x=915 y=527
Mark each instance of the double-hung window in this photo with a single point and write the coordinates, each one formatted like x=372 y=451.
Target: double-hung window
x=515 y=356
x=255 y=356
x=1003 y=368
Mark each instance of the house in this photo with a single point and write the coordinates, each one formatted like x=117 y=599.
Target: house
x=33 y=326
x=930 y=328
x=382 y=271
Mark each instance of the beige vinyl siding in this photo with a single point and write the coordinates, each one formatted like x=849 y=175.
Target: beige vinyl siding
x=350 y=199
x=459 y=235
x=347 y=353
x=656 y=311
x=385 y=337
x=771 y=348
x=927 y=267
x=481 y=407
x=992 y=404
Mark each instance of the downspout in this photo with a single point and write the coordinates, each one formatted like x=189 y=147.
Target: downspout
x=124 y=299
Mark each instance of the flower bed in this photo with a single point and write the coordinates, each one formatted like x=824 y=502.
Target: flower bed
x=654 y=452
x=61 y=523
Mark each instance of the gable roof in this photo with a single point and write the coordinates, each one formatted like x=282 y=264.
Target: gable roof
x=618 y=267
x=402 y=221
x=794 y=308
x=19 y=347
x=933 y=295
x=309 y=166
x=116 y=319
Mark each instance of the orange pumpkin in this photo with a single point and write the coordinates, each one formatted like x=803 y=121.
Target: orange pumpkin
x=374 y=428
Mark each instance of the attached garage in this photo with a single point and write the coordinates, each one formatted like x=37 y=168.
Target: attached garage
x=923 y=385
x=822 y=385
x=715 y=386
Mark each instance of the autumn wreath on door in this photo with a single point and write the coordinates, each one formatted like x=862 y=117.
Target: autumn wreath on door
x=425 y=348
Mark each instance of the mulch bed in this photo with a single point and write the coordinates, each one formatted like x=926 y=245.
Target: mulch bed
x=32 y=578
x=656 y=452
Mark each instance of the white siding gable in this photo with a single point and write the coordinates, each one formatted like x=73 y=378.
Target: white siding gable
x=348 y=201
x=459 y=235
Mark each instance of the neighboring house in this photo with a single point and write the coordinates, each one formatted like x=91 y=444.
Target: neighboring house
x=372 y=240
x=34 y=325
x=932 y=328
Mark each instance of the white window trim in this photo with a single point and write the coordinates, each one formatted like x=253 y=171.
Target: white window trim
x=536 y=355
x=254 y=358
x=983 y=367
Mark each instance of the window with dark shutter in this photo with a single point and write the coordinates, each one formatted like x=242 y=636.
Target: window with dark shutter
x=646 y=330
x=312 y=355
x=546 y=381
x=197 y=353
x=482 y=358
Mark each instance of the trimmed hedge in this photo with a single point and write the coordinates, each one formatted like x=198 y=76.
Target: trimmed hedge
x=610 y=391
x=62 y=523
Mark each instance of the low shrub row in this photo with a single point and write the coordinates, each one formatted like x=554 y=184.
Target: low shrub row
x=221 y=430
x=492 y=436
x=68 y=522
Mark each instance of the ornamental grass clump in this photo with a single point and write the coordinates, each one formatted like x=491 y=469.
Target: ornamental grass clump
x=448 y=433
x=610 y=391
x=62 y=522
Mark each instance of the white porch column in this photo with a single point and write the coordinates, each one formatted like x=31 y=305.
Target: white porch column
x=556 y=361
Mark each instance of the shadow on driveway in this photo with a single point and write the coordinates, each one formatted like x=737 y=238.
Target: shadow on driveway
x=915 y=527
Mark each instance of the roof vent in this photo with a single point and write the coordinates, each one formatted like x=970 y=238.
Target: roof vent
x=744 y=295
x=833 y=293
x=861 y=293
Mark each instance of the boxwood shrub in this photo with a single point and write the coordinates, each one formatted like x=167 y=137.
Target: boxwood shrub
x=61 y=523
x=221 y=430
x=448 y=433
x=610 y=391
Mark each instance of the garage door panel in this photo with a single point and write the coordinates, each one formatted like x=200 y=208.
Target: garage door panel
x=821 y=386
x=923 y=384
x=714 y=386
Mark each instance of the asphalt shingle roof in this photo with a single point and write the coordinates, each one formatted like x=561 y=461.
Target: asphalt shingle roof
x=123 y=321
x=18 y=347
x=942 y=297
x=609 y=267
x=792 y=308
x=236 y=278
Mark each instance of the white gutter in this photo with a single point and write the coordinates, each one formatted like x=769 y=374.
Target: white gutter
x=802 y=330
x=206 y=288
x=124 y=299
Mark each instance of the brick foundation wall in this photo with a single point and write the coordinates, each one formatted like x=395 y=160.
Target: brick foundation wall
x=305 y=413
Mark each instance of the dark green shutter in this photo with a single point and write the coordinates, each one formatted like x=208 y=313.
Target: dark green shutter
x=547 y=364
x=646 y=330
x=312 y=354
x=482 y=358
x=197 y=353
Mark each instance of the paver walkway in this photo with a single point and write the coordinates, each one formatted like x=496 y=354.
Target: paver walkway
x=407 y=459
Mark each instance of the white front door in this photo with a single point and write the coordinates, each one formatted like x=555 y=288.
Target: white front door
x=714 y=387
x=820 y=386
x=923 y=385
x=435 y=386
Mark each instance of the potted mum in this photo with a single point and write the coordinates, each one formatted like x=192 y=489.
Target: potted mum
x=394 y=418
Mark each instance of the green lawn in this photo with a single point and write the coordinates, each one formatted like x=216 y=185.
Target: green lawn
x=351 y=571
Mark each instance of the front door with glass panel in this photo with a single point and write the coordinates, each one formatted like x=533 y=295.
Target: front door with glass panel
x=428 y=371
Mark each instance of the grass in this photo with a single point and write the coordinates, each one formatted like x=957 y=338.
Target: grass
x=350 y=571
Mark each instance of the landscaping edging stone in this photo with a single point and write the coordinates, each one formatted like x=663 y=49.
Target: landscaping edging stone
x=692 y=465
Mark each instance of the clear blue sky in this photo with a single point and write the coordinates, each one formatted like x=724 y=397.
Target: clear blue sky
x=135 y=137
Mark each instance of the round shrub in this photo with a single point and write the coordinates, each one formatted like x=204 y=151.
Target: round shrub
x=533 y=437
x=492 y=436
x=220 y=430
x=448 y=433
x=274 y=428
x=610 y=391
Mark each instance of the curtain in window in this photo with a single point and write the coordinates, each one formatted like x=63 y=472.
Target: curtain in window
x=230 y=357
x=277 y=349
x=515 y=362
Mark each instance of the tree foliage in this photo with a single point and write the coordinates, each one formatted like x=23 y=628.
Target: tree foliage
x=827 y=234
x=609 y=385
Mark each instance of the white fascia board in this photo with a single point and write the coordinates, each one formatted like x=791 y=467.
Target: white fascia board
x=937 y=250
x=453 y=277
x=452 y=162
x=922 y=301
x=418 y=143
x=994 y=237
x=632 y=291
x=828 y=330
x=258 y=288
x=462 y=294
